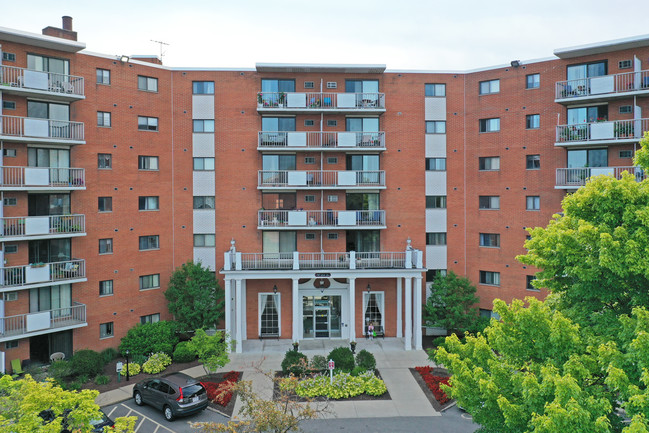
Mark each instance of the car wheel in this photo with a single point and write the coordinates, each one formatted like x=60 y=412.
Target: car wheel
x=169 y=415
x=138 y=398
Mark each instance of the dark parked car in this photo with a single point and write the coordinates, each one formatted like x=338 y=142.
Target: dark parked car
x=175 y=394
x=98 y=425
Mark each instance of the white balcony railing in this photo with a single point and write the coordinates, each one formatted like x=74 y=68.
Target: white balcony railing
x=39 y=273
x=42 y=226
x=22 y=78
x=321 y=140
x=321 y=101
x=314 y=219
x=14 y=326
x=603 y=131
x=41 y=177
x=604 y=85
x=43 y=129
x=576 y=177
x=320 y=179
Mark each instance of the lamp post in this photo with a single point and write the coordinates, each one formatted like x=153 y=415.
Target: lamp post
x=128 y=373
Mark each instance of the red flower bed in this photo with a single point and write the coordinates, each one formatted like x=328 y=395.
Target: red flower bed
x=219 y=392
x=433 y=383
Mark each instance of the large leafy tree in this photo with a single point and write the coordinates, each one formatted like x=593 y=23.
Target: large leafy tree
x=451 y=304
x=194 y=297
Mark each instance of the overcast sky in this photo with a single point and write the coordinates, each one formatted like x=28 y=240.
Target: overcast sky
x=403 y=34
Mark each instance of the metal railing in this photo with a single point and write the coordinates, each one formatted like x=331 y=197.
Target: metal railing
x=42 y=225
x=603 y=85
x=11 y=176
x=20 y=324
x=36 y=273
x=266 y=260
x=595 y=131
x=321 y=218
x=32 y=127
x=310 y=140
x=321 y=100
x=579 y=176
x=40 y=80
x=321 y=178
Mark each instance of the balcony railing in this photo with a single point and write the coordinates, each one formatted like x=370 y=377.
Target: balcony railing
x=22 y=78
x=604 y=85
x=41 y=273
x=320 y=219
x=321 y=140
x=14 y=326
x=41 y=177
x=576 y=177
x=321 y=179
x=628 y=130
x=42 y=226
x=319 y=101
x=41 y=129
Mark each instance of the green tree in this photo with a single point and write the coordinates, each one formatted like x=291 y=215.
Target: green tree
x=194 y=297
x=212 y=350
x=451 y=304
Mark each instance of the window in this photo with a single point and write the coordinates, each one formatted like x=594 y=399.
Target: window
x=103 y=119
x=591 y=114
x=489 y=202
x=11 y=248
x=204 y=164
x=533 y=202
x=105 y=161
x=431 y=274
x=436 y=164
x=489 y=163
x=332 y=123
x=106 y=330
x=533 y=121
x=435 y=90
x=533 y=81
x=149 y=281
x=373 y=309
x=624 y=64
x=204 y=240
x=309 y=198
x=147 y=123
x=332 y=160
x=10 y=201
x=435 y=238
x=488 y=87
x=204 y=125
x=269 y=314
x=308 y=84
x=309 y=160
x=435 y=202
x=490 y=125
x=148 y=84
x=308 y=122
x=103 y=76
x=626 y=153
x=490 y=240
x=148 y=203
x=204 y=202
x=529 y=285
x=332 y=85
x=533 y=162
x=587 y=158
x=309 y=236
x=11 y=153
x=626 y=109
x=279 y=242
x=106 y=246
x=105 y=204
x=149 y=242
x=106 y=288
x=8 y=105
x=203 y=87
x=332 y=198
x=147 y=162
x=579 y=75
x=8 y=57
x=332 y=236
x=150 y=318
x=491 y=278
x=435 y=127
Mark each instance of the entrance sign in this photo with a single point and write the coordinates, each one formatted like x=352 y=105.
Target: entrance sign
x=331 y=366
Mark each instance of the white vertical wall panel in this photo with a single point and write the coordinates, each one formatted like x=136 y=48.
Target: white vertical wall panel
x=203 y=145
x=435 y=145
x=436 y=220
x=435 y=183
x=435 y=109
x=204 y=221
x=207 y=256
x=202 y=106
x=203 y=183
x=436 y=257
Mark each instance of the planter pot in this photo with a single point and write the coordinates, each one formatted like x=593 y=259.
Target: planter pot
x=435 y=331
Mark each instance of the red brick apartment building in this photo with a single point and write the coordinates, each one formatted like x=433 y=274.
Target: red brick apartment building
x=323 y=196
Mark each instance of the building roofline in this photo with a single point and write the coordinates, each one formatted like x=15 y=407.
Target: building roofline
x=602 y=47
x=320 y=67
x=43 y=41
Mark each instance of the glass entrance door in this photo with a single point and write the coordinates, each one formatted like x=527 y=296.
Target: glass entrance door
x=322 y=322
x=321 y=316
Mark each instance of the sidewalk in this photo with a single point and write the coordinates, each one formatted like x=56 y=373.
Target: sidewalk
x=391 y=360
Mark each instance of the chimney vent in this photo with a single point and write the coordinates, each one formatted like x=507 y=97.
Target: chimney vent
x=65 y=33
x=67 y=23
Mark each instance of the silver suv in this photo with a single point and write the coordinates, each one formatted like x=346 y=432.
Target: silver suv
x=176 y=394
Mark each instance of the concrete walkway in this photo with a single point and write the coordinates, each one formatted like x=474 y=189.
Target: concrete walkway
x=263 y=356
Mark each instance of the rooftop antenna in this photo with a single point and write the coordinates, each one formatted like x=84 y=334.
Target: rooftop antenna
x=162 y=53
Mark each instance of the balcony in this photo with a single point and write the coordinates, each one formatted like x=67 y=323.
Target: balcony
x=53 y=86
x=41 y=179
x=614 y=132
x=321 y=219
x=572 y=178
x=42 y=322
x=42 y=227
x=333 y=102
x=320 y=179
x=34 y=130
x=604 y=88
x=320 y=141
x=42 y=274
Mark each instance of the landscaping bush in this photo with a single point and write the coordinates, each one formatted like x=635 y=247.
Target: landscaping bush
x=87 y=362
x=133 y=369
x=318 y=363
x=439 y=341
x=344 y=386
x=182 y=353
x=156 y=363
x=343 y=357
x=366 y=360
x=60 y=371
x=150 y=338
x=102 y=379
x=109 y=354
x=358 y=370
x=294 y=362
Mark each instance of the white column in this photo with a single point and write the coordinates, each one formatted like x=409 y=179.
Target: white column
x=417 y=306
x=399 y=309
x=408 y=301
x=244 y=309
x=228 y=308
x=239 y=315
x=352 y=309
x=296 y=310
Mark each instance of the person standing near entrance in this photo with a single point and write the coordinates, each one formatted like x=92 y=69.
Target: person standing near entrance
x=370 y=331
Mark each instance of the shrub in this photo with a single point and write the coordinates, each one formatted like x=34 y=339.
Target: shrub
x=60 y=371
x=182 y=353
x=366 y=360
x=156 y=363
x=133 y=369
x=343 y=386
x=150 y=338
x=102 y=379
x=439 y=341
x=294 y=362
x=358 y=370
x=138 y=359
x=109 y=354
x=318 y=363
x=87 y=362
x=343 y=357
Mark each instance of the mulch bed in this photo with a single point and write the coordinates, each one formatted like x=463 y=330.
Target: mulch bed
x=222 y=402
x=429 y=379
x=361 y=397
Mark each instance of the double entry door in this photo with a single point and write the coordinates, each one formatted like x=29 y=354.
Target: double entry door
x=324 y=315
